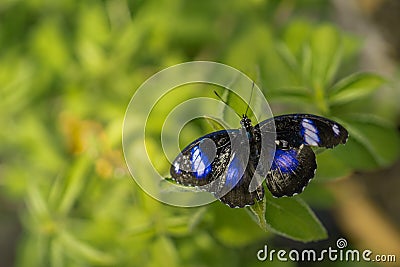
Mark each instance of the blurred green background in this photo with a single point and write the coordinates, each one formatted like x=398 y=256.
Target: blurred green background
x=69 y=68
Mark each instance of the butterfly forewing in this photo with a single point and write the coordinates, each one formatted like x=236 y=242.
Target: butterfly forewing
x=215 y=162
x=204 y=160
x=307 y=129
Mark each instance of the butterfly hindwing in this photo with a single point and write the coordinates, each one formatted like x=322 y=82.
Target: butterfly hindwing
x=239 y=176
x=307 y=129
x=291 y=170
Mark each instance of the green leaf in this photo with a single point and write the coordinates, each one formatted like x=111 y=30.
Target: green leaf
x=83 y=251
x=325 y=46
x=196 y=218
x=237 y=103
x=36 y=204
x=32 y=251
x=257 y=211
x=296 y=35
x=356 y=155
x=318 y=196
x=373 y=142
x=259 y=38
x=293 y=95
x=164 y=253
x=287 y=56
x=74 y=183
x=214 y=124
x=354 y=87
x=56 y=253
x=292 y=218
x=234 y=227
x=330 y=166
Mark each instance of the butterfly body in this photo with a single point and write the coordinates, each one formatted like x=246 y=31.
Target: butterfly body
x=225 y=162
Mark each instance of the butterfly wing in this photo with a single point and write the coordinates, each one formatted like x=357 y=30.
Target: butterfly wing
x=239 y=174
x=294 y=162
x=218 y=163
x=204 y=160
x=307 y=129
x=291 y=171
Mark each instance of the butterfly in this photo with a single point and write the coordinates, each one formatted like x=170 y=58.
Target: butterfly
x=224 y=162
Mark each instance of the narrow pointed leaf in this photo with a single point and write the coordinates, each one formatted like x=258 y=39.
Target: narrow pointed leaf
x=354 y=87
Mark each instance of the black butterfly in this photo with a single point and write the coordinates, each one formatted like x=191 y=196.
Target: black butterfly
x=225 y=162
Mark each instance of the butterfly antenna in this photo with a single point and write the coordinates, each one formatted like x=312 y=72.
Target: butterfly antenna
x=251 y=96
x=226 y=103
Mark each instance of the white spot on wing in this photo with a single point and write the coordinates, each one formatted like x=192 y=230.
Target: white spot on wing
x=335 y=129
x=198 y=163
x=311 y=138
x=176 y=166
x=308 y=125
x=310 y=132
